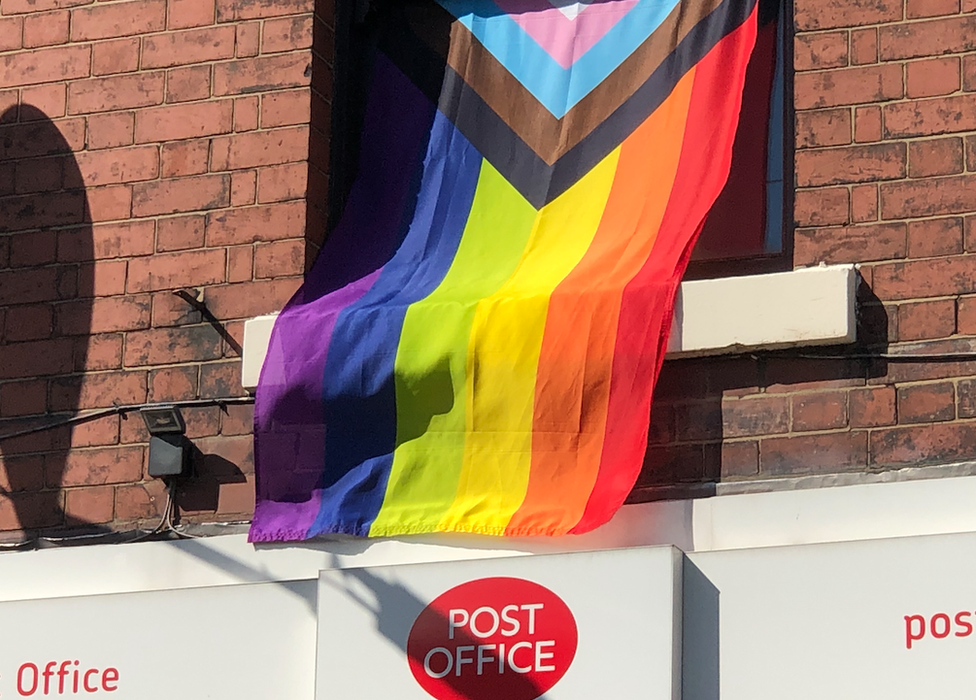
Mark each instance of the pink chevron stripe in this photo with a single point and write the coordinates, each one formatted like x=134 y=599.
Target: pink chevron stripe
x=562 y=38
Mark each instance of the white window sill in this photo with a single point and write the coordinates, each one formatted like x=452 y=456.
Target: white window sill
x=812 y=306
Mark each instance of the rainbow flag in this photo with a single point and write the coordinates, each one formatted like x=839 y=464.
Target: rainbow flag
x=476 y=346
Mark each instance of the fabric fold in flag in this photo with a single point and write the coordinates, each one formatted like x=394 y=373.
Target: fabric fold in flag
x=476 y=347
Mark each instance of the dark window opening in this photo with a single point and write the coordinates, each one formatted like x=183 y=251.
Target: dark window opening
x=747 y=230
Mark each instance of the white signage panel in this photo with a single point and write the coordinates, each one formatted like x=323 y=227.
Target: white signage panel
x=564 y=626
x=892 y=619
x=247 y=642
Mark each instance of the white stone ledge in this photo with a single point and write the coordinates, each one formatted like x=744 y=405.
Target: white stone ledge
x=812 y=306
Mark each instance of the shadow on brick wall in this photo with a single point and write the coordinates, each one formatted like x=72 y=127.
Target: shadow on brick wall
x=47 y=280
x=762 y=415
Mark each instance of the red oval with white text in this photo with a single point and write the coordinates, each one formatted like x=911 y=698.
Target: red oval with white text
x=492 y=638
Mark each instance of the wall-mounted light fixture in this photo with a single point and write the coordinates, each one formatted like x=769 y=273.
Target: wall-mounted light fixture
x=169 y=449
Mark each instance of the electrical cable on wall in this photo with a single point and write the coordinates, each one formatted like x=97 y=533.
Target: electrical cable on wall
x=125 y=410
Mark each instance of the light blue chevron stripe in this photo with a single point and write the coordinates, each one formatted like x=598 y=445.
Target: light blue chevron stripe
x=558 y=89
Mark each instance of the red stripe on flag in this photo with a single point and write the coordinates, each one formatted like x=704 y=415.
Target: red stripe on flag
x=648 y=300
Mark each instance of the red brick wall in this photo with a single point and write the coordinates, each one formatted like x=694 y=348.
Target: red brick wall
x=885 y=176
x=147 y=146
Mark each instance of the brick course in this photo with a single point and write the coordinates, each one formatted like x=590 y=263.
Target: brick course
x=131 y=134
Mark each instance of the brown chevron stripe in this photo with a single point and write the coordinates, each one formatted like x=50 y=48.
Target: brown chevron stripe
x=548 y=136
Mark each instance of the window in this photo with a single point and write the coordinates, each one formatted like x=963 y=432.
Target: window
x=746 y=231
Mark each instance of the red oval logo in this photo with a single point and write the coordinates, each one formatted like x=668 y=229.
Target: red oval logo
x=492 y=638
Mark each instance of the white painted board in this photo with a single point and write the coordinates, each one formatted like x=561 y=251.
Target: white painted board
x=626 y=605
x=829 y=621
x=248 y=642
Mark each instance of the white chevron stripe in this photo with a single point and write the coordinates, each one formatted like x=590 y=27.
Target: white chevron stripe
x=570 y=8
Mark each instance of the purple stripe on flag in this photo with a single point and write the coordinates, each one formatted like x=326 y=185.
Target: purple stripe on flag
x=289 y=434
